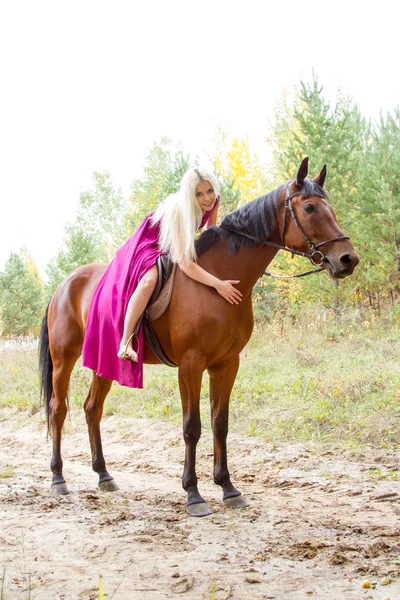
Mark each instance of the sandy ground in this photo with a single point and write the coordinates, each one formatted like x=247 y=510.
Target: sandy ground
x=318 y=525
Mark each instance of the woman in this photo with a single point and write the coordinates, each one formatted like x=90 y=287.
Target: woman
x=128 y=283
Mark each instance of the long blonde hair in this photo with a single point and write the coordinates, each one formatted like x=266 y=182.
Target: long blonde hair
x=180 y=216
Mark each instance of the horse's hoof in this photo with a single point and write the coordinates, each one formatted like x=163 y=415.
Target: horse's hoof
x=108 y=486
x=236 y=502
x=59 y=489
x=198 y=510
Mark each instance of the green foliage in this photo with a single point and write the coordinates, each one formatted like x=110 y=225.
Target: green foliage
x=163 y=170
x=379 y=225
x=21 y=295
x=78 y=248
x=363 y=162
x=363 y=175
x=101 y=214
x=95 y=234
x=310 y=380
x=230 y=195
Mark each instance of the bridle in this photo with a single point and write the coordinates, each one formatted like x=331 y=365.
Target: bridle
x=313 y=247
x=313 y=255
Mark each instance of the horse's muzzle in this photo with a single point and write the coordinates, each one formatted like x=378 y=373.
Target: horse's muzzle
x=342 y=266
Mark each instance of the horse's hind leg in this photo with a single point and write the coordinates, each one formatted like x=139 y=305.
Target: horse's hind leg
x=94 y=411
x=63 y=364
x=222 y=378
x=190 y=384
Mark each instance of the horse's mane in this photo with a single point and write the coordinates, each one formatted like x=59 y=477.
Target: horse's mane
x=257 y=218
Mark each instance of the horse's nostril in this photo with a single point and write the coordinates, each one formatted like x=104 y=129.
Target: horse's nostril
x=346 y=259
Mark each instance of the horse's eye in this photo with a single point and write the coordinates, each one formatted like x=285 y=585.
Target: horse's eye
x=309 y=208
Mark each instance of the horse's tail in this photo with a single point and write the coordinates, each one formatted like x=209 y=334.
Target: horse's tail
x=45 y=366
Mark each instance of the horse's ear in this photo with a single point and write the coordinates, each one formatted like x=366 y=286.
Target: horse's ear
x=302 y=172
x=320 y=178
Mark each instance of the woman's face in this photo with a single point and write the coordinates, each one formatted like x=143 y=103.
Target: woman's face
x=205 y=195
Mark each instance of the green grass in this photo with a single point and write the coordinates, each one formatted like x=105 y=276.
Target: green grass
x=308 y=381
x=310 y=385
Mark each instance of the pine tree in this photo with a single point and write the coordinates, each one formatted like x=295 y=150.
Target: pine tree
x=21 y=295
x=94 y=235
x=101 y=215
x=230 y=195
x=165 y=165
x=379 y=223
x=335 y=135
x=79 y=248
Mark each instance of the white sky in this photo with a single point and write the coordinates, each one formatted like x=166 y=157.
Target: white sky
x=90 y=85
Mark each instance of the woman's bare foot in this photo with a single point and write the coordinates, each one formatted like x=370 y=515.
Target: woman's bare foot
x=126 y=352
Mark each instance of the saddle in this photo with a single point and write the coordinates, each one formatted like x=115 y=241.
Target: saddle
x=157 y=305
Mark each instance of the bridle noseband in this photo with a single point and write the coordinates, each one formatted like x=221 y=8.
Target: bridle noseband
x=289 y=210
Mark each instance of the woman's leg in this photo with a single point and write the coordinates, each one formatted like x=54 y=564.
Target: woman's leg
x=136 y=306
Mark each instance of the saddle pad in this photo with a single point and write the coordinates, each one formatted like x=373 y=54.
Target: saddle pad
x=160 y=305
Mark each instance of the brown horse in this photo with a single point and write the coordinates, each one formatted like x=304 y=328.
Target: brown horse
x=200 y=330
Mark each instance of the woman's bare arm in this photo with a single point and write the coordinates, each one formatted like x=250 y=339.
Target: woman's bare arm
x=224 y=288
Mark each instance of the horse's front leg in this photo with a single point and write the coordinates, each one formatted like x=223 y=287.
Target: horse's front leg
x=222 y=378
x=94 y=410
x=190 y=375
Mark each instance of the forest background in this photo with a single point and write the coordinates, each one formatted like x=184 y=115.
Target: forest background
x=323 y=364
x=363 y=159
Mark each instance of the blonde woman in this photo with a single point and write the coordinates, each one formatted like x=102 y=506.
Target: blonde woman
x=128 y=283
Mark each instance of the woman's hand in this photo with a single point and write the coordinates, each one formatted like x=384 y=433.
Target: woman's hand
x=227 y=291
x=224 y=288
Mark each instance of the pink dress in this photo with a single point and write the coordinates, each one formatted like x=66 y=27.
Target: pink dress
x=105 y=323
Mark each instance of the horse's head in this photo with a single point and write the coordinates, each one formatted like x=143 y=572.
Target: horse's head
x=310 y=225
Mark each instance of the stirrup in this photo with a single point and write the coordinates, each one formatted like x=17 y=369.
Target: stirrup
x=126 y=356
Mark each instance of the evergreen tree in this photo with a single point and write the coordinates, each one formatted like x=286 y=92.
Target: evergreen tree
x=165 y=165
x=379 y=225
x=339 y=137
x=230 y=195
x=101 y=215
x=21 y=295
x=95 y=234
x=78 y=248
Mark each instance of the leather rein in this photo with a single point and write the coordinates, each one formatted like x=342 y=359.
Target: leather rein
x=312 y=256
